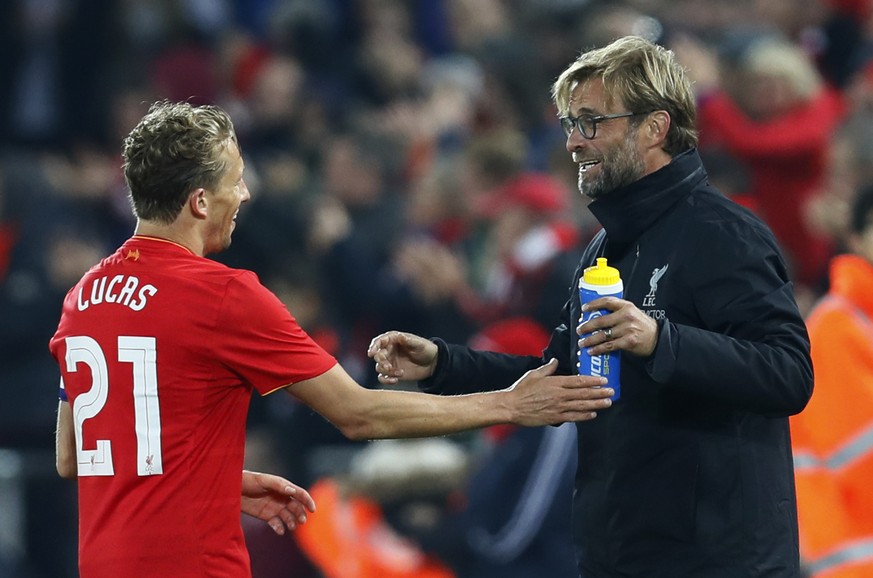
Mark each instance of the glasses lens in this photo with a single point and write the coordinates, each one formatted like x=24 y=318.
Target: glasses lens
x=585 y=125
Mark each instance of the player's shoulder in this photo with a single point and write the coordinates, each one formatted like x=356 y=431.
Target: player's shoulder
x=218 y=276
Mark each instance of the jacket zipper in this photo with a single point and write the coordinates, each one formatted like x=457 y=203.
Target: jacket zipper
x=633 y=269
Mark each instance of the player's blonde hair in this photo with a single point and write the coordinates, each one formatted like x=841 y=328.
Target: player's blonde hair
x=174 y=149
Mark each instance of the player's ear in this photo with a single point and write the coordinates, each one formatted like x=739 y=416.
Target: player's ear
x=198 y=203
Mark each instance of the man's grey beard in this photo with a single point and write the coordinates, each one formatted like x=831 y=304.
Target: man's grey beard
x=621 y=167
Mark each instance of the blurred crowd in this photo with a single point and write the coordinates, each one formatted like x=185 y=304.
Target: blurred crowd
x=407 y=172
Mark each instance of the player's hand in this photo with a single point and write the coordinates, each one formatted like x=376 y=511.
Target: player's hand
x=541 y=398
x=275 y=500
x=624 y=328
x=402 y=357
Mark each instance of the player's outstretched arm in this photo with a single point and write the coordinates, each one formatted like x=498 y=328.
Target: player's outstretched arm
x=538 y=398
x=275 y=500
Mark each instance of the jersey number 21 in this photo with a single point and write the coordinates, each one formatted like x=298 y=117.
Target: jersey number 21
x=141 y=353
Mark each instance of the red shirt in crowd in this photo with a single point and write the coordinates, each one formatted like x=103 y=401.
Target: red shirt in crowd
x=786 y=158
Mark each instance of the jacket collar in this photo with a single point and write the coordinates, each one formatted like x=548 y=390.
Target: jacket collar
x=627 y=212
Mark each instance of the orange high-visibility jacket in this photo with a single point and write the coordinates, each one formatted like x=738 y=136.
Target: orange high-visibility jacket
x=348 y=537
x=833 y=437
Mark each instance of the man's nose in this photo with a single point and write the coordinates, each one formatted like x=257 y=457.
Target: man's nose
x=575 y=141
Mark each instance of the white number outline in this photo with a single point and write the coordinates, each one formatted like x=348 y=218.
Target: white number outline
x=141 y=352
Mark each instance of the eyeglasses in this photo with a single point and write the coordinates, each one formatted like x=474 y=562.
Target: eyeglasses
x=588 y=124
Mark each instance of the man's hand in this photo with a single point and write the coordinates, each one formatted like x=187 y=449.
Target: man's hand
x=402 y=357
x=625 y=328
x=541 y=398
x=275 y=500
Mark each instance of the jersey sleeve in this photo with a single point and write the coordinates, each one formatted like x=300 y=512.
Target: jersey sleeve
x=261 y=340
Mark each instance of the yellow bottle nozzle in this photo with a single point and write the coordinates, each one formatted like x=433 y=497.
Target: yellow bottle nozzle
x=601 y=273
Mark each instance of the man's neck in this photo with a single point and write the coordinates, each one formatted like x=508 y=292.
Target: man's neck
x=171 y=233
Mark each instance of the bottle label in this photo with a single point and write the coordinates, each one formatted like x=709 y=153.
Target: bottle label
x=606 y=365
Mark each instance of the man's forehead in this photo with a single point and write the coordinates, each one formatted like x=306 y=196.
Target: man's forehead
x=588 y=94
x=231 y=149
x=231 y=156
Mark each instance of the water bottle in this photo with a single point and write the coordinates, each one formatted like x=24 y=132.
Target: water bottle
x=597 y=281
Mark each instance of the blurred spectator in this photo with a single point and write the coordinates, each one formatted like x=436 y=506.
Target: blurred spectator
x=268 y=88
x=491 y=159
x=775 y=114
x=351 y=233
x=846 y=33
x=432 y=258
x=272 y=98
x=831 y=438
x=535 y=249
x=849 y=168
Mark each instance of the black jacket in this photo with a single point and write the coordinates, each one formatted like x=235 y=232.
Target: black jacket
x=690 y=473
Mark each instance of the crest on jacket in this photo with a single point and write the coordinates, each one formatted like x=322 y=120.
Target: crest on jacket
x=657 y=273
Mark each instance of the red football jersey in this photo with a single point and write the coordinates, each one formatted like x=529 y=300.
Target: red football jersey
x=159 y=351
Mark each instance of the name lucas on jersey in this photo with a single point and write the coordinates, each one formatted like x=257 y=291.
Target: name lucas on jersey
x=121 y=289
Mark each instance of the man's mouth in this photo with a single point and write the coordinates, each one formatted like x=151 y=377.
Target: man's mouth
x=585 y=165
